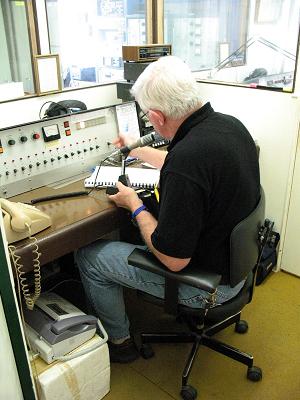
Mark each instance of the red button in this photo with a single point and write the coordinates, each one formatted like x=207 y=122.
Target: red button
x=68 y=132
x=66 y=124
x=35 y=136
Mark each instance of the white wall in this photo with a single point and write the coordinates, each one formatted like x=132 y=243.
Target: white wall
x=272 y=119
x=27 y=109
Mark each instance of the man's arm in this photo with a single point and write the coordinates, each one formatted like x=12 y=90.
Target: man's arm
x=152 y=156
x=127 y=198
x=147 y=224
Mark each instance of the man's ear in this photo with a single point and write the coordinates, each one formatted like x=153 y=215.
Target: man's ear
x=157 y=117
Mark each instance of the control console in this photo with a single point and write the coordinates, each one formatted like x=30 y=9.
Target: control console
x=56 y=150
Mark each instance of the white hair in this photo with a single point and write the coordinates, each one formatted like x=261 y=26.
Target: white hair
x=167 y=85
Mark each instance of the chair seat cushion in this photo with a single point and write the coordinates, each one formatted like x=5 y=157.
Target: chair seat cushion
x=215 y=314
x=234 y=305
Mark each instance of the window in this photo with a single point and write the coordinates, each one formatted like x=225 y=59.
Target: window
x=203 y=31
x=251 y=42
x=16 y=76
x=244 y=42
x=89 y=34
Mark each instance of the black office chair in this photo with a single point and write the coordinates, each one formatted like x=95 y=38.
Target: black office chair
x=246 y=243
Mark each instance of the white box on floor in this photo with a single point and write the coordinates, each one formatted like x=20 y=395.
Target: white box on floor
x=86 y=377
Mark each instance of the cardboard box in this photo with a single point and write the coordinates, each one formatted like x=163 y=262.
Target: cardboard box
x=86 y=377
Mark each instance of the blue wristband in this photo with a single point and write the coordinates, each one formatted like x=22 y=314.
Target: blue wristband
x=138 y=210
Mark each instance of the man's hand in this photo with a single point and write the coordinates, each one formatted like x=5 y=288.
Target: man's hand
x=121 y=141
x=126 y=198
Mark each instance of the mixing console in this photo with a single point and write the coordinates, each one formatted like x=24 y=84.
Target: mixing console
x=56 y=150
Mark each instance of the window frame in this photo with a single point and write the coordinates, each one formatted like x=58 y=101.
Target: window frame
x=36 y=14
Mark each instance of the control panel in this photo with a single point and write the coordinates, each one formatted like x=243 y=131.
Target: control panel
x=57 y=150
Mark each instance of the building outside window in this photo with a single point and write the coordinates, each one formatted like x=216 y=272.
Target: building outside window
x=89 y=34
x=239 y=42
x=16 y=73
x=249 y=42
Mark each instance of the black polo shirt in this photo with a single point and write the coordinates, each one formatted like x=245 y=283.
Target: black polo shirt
x=208 y=183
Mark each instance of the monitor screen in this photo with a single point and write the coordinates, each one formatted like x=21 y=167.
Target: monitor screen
x=128 y=123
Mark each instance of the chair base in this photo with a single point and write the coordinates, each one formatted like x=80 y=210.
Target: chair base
x=203 y=336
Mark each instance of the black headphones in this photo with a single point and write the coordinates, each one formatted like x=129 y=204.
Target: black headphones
x=62 y=107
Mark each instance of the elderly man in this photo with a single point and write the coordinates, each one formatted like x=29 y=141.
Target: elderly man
x=209 y=181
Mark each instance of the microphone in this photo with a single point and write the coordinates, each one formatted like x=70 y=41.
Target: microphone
x=143 y=141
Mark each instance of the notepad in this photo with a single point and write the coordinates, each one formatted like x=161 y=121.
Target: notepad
x=108 y=176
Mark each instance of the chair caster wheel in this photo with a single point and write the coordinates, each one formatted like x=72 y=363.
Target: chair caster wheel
x=254 y=374
x=188 y=392
x=241 y=326
x=146 y=351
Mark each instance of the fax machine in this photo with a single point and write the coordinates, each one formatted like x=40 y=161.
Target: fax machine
x=55 y=327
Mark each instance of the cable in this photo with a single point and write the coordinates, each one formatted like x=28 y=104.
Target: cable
x=60 y=283
x=71 y=194
x=100 y=165
x=29 y=298
x=47 y=102
x=59 y=196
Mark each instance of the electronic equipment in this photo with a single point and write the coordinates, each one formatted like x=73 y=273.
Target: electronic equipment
x=55 y=327
x=123 y=90
x=60 y=150
x=22 y=220
x=147 y=52
x=132 y=70
x=63 y=107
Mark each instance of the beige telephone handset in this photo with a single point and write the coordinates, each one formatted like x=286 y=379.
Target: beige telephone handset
x=23 y=221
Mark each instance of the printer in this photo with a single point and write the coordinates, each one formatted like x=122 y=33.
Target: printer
x=55 y=327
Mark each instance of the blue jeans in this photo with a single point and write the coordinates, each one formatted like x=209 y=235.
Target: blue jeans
x=104 y=272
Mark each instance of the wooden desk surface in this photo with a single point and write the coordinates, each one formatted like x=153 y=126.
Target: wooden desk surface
x=76 y=222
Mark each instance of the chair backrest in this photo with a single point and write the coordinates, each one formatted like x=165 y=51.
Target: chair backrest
x=244 y=245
